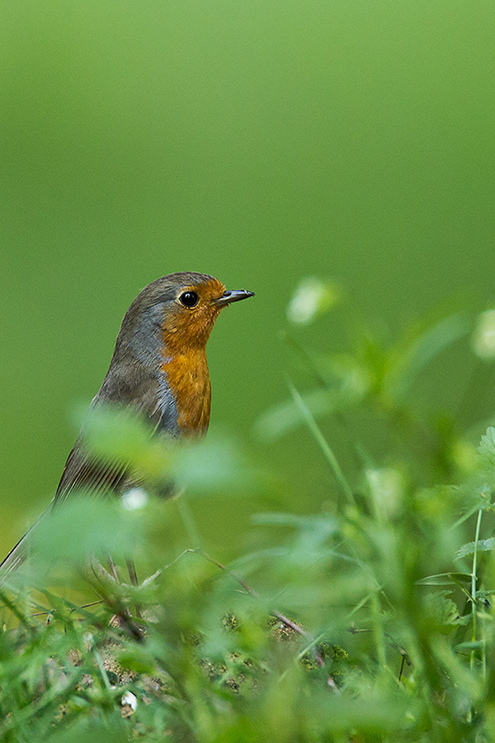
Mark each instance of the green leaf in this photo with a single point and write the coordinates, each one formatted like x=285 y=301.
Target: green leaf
x=444 y=579
x=136 y=661
x=483 y=545
x=473 y=645
x=216 y=465
x=411 y=361
x=84 y=526
x=486 y=450
x=293 y=520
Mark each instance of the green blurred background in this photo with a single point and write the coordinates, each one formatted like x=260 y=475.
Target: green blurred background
x=257 y=141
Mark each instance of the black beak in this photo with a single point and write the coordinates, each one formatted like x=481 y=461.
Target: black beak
x=233 y=296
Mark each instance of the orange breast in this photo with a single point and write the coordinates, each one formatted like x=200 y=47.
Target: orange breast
x=189 y=381
x=185 y=333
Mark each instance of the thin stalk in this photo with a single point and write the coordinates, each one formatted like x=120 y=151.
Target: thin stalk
x=15 y=611
x=378 y=630
x=322 y=443
x=363 y=455
x=306 y=357
x=102 y=670
x=473 y=583
x=189 y=522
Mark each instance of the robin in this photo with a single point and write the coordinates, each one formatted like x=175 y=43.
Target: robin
x=159 y=369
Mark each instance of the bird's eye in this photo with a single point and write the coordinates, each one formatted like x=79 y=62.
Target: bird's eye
x=189 y=299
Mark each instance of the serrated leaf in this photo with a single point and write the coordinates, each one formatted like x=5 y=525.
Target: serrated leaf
x=483 y=545
x=486 y=449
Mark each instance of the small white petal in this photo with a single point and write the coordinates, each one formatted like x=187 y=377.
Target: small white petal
x=89 y=640
x=134 y=499
x=130 y=699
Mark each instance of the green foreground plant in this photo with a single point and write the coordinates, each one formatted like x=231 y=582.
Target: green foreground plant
x=370 y=620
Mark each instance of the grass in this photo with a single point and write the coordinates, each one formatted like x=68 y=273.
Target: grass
x=369 y=620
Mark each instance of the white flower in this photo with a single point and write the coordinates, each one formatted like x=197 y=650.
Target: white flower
x=312 y=297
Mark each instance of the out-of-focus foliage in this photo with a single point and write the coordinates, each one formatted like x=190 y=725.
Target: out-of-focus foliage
x=369 y=620
x=384 y=384
x=258 y=141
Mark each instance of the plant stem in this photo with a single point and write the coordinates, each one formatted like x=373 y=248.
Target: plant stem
x=473 y=583
x=322 y=442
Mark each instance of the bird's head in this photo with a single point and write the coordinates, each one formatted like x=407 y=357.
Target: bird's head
x=183 y=306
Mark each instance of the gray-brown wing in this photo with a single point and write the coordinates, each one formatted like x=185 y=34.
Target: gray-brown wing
x=85 y=472
x=81 y=472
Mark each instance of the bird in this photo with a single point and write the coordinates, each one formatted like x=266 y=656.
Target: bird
x=158 y=370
